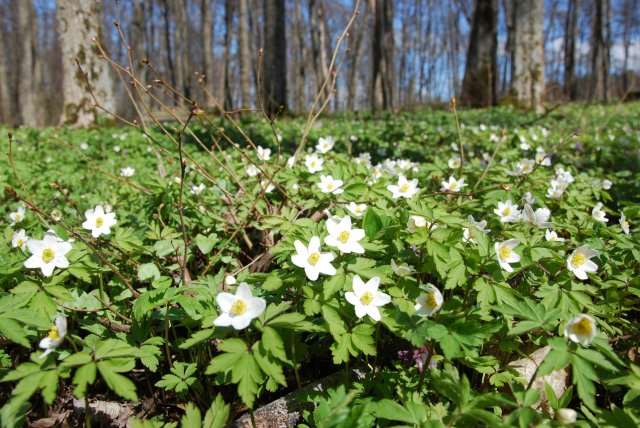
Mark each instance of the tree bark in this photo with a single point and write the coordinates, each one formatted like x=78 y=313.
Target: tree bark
x=244 y=53
x=207 y=49
x=78 y=25
x=571 y=26
x=528 y=78
x=382 y=72
x=481 y=71
x=299 y=56
x=6 y=105
x=27 y=78
x=274 y=70
x=600 y=51
x=180 y=47
x=228 y=31
x=355 y=44
x=319 y=46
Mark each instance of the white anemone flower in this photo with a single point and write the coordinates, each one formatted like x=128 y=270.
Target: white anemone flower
x=523 y=167
x=48 y=253
x=624 y=224
x=343 y=237
x=127 y=171
x=313 y=163
x=528 y=198
x=252 y=170
x=98 y=221
x=312 y=260
x=264 y=154
x=606 y=184
x=196 y=190
x=55 y=336
x=429 y=302
x=551 y=235
x=507 y=211
x=481 y=226
x=267 y=186
x=357 y=210
x=566 y=416
x=366 y=298
x=404 y=189
x=17 y=216
x=291 y=162
x=542 y=158
x=505 y=253
x=579 y=262
x=238 y=309
x=581 y=329
x=19 y=239
x=538 y=218
x=229 y=280
x=598 y=213
x=328 y=184
x=452 y=185
x=454 y=162
x=325 y=144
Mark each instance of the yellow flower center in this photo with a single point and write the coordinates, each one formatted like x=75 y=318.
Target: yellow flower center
x=343 y=236
x=366 y=298
x=53 y=333
x=584 y=327
x=453 y=186
x=431 y=301
x=506 y=211
x=20 y=243
x=313 y=258
x=313 y=164
x=239 y=307
x=404 y=188
x=578 y=260
x=504 y=252
x=99 y=222
x=47 y=255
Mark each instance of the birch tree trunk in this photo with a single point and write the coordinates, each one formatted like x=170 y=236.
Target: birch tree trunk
x=244 y=53
x=382 y=72
x=78 y=25
x=481 y=71
x=274 y=70
x=27 y=78
x=528 y=78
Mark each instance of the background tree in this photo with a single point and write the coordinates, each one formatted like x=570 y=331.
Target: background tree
x=528 y=78
x=383 y=46
x=274 y=71
x=479 y=84
x=600 y=51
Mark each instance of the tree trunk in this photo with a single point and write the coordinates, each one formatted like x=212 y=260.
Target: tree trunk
x=382 y=71
x=300 y=56
x=528 y=78
x=168 y=48
x=274 y=74
x=6 y=104
x=78 y=24
x=244 y=53
x=571 y=26
x=355 y=43
x=27 y=79
x=479 y=83
x=319 y=46
x=180 y=49
x=207 y=50
x=600 y=51
x=228 y=31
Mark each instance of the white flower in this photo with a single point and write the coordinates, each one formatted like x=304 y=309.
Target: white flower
x=429 y=302
x=343 y=237
x=229 y=280
x=505 y=253
x=127 y=171
x=598 y=213
x=606 y=184
x=624 y=224
x=17 y=216
x=454 y=162
x=312 y=260
x=196 y=190
x=47 y=254
x=404 y=188
x=313 y=163
x=325 y=144
x=523 y=167
x=366 y=298
x=538 y=217
x=528 y=198
x=581 y=329
x=452 y=185
x=556 y=189
x=551 y=235
x=542 y=158
x=252 y=170
x=481 y=226
x=98 y=221
x=84 y=146
x=330 y=185
x=363 y=158
x=267 y=186
x=416 y=222
x=263 y=154
x=19 y=239
x=291 y=161
x=579 y=262
x=524 y=145
x=507 y=211
x=238 y=309
x=55 y=337
x=353 y=138
x=116 y=149
x=357 y=210
x=401 y=269
x=566 y=416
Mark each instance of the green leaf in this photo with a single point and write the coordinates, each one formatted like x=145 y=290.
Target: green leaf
x=206 y=243
x=363 y=338
x=273 y=343
x=217 y=415
x=197 y=337
x=371 y=223
x=390 y=410
x=119 y=384
x=83 y=377
x=148 y=271
x=334 y=321
x=191 y=417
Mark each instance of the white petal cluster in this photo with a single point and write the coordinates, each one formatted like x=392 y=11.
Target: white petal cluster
x=264 y=154
x=330 y=185
x=17 y=216
x=313 y=163
x=240 y=308
x=55 y=336
x=538 y=218
x=127 y=171
x=325 y=145
x=505 y=253
x=598 y=213
x=98 y=221
x=452 y=185
x=429 y=302
x=312 y=260
x=48 y=253
x=366 y=298
x=579 y=262
x=508 y=212
x=404 y=189
x=581 y=329
x=343 y=237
